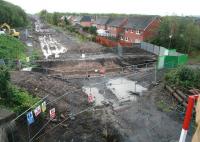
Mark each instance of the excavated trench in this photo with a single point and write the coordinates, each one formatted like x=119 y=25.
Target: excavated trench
x=92 y=66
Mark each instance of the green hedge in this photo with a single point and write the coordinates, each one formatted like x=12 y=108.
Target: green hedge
x=184 y=77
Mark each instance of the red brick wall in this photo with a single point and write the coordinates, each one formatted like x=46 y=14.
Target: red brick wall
x=86 y=24
x=132 y=36
x=105 y=42
x=109 y=43
x=151 y=29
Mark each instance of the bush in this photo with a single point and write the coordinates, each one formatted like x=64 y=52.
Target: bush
x=11 y=48
x=91 y=30
x=184 y=77
x=11 y=96
x=21 y=100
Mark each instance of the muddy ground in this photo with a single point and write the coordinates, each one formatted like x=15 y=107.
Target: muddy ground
x=142 y=119
x=132 y=121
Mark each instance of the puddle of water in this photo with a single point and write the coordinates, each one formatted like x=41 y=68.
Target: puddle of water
x=94 y=92
x=123 y=87
x=27 y=69
x=29 y=44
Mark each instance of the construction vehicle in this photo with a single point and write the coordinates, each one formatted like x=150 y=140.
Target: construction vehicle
x=6 y=28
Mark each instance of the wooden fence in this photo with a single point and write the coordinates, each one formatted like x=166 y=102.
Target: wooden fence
x=110 y=43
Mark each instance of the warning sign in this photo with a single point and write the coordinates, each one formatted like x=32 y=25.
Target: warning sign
x=102 y=71
x=43 y=106
x=30 y=118
x=37 y=111
x=90 y=98
x=52 y=113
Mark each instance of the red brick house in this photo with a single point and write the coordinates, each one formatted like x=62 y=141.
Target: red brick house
x=139 y=28
x=86 y=21
x=101 y=23
x=115 y=26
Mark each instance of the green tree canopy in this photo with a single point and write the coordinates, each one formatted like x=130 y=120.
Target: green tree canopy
x=184 y=33
x=12 y=15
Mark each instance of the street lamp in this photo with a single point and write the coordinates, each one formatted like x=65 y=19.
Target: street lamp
x=170 y=39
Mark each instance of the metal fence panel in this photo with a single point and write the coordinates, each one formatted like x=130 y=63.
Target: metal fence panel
x=156 y=50
x=163 y=51
x=161 y=61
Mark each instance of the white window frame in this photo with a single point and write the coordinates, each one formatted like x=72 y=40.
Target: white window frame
x=138 y=32
x=126 y=38
x=132 y=30
x=121 y=38
x=127 y=30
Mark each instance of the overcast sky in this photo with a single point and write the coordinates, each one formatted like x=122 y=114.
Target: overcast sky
x=155 y=7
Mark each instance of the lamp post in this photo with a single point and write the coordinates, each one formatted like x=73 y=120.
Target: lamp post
x=170 y=39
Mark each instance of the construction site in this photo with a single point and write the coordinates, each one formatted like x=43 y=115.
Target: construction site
x=99 y=71
x=100 y=94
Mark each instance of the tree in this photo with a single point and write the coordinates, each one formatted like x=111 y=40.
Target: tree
x=66 y=21
x=185 y=34
x=12 y=14
x=55 y=18
x=43 y=14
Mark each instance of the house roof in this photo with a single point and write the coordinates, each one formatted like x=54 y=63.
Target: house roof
x=85 y=19
x=78 y=18
x=139 y=22
x=102 y=20
x=116 y=22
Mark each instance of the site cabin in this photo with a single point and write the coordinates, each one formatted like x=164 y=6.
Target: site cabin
x=140 y=28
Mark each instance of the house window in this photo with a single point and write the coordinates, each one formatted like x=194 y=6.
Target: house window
x=122 y=38
x=126 y=38
x=132 y=30
x=138 y=32
x=126 y=30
